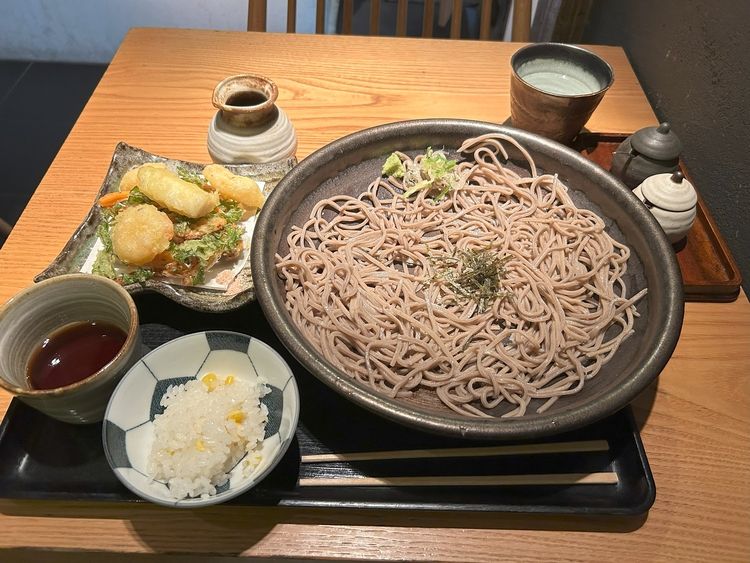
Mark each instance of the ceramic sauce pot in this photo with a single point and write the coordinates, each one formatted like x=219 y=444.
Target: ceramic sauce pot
x=249 y=127
x=648 y=151
x=672 y=200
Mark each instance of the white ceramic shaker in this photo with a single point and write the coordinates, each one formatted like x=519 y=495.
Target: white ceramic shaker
x=672 y=200
x=249 y=127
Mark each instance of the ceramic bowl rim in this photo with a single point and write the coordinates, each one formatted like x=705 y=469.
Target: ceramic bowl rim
x=564 y=46
x=268 y=87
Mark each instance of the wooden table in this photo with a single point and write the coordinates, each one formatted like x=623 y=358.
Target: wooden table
x=156 y=94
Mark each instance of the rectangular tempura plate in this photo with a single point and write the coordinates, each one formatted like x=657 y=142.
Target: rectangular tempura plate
x=74 y=255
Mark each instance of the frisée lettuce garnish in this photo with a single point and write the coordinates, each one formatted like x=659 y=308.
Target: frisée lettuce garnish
x=432 y=172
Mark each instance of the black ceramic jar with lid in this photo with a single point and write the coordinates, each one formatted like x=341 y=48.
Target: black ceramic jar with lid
x=648 y=151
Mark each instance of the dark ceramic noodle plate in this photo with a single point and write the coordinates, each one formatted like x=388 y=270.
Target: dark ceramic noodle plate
x=41 y=458
x=73 y=256
x=348 y=165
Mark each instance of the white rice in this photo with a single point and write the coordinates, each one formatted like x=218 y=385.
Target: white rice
x=205 y=431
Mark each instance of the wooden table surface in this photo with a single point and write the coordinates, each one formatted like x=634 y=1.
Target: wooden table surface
x=156 y=94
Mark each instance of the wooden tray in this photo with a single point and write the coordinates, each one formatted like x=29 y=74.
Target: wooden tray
x=709 y=272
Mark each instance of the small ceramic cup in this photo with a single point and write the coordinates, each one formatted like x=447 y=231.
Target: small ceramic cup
x=42 y=309
x=249 y=126
x=554 y=89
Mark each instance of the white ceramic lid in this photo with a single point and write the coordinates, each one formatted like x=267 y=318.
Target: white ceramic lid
x=671 y=192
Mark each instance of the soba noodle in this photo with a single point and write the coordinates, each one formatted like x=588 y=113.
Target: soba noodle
x=362 y=285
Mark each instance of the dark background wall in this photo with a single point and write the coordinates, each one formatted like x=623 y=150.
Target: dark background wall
x=692 y=58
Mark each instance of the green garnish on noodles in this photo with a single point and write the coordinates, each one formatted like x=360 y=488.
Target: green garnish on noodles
x=433 y=172
x=472 y=275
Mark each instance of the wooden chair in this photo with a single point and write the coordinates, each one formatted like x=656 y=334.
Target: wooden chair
x=521 y=26
x=5 y=229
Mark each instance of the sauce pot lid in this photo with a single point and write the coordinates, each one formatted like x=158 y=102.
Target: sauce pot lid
x=659 y=143
x=671 y=192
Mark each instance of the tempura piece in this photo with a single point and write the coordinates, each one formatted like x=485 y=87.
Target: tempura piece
x=238 y=188
x=140 y=233
x=168 y=190
x=130 y=178
x=200 y=228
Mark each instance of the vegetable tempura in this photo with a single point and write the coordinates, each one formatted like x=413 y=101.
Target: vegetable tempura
x=173 y=225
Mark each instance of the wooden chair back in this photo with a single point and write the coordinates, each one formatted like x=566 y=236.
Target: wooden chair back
x=521 y=26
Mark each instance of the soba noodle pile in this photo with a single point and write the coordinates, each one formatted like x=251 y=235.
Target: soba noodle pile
x=365 y=285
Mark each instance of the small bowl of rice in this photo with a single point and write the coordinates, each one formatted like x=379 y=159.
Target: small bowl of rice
x=201 y=419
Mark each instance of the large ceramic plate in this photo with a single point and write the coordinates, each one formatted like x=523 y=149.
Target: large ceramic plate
x=79 y=247
x=348 y=165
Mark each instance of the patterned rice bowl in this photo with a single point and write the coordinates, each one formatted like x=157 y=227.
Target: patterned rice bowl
x=128 y=429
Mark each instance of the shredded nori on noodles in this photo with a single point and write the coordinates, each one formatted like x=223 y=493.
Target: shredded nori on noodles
x=472 y=275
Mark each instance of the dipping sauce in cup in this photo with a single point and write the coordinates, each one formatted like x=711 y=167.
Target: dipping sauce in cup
x=554 y=89
x=66 y=342
x=73 y=353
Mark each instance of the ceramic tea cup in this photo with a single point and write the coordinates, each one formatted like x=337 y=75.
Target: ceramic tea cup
x=554 y=89
x=48 y=318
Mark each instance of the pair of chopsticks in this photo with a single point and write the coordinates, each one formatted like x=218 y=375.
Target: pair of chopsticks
x=583 y=446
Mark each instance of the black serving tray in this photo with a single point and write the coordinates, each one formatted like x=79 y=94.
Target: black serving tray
x=41 y=458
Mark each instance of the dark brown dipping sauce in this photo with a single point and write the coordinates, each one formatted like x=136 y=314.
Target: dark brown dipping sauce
x=247 y=98
x=74 y=353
